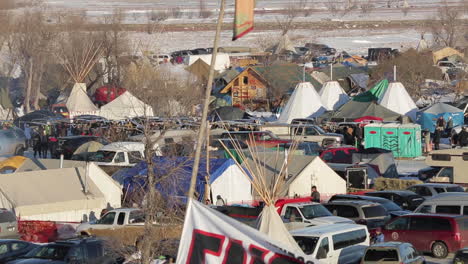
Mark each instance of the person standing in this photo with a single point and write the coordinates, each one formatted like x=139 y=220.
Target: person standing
x=378 y=237
x=220 y=201
x=315 y=195
x=436 y=139
x=440 y=123
x=37 y=145
x=27 y=135
x=463 y=137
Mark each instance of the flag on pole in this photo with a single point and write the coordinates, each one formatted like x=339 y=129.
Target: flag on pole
x=243 y=18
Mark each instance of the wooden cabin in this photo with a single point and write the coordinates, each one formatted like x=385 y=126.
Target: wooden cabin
x=248 y=87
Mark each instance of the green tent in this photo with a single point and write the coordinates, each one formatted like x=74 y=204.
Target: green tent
x=374 y=94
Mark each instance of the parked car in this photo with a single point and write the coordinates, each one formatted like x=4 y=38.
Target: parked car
x=445 y=203
x=392 y=252
x=392 y=208
x=339 y=154
x=407 y=200
x=337 y=243
x=88 y=250
x=8 y=225
x=11 y=249
x=68 y=145
x=372 y=215
x=438 y=234
x=260 y=138
x=428 y=190
x=120 y=154
x=305 y=133
x=461 y=256
x=320 y=49
x=300 y=215
x=12 y=142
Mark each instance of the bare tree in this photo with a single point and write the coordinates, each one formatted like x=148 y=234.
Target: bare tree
x=285 y=22
x=154 y=19
x=446 y=26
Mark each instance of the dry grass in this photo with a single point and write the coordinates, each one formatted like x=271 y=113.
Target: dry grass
x=381 y=184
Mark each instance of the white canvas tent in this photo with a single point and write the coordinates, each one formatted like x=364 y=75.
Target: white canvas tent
x=78 y=102
x=304 y=102
x=397 y=99
x=284 y=44
x=125 y=106
x=229 y=182
x=222 y=60
x=333 y=96
x=422 y=45
x=51 y=195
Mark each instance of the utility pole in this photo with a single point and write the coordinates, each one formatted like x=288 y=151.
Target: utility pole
x=206 y=103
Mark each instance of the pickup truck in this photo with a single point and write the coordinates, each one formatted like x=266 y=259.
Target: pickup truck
x=307 y=133
x=260 y=138
x=306 y=214
x=125 y=224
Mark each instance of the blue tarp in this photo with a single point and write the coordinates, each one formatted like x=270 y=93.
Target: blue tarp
x=428 y=116
x=175 y=173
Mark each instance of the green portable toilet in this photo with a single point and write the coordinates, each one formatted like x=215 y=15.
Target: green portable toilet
x=390 y=138
x=410 y=141
x=372 y=136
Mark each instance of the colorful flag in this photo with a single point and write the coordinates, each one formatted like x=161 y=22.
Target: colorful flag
x=211 y=237
x=243 y=18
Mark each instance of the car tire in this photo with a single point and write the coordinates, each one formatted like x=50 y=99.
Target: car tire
x=19 y=151
x=439 y=250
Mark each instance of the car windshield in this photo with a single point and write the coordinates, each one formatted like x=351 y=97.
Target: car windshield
x=320 y=130
x=455 y=189
x=391 y=206
x=374 y=211
x=103 y=156
x=55 y=252
x=381 y=255
x=313 y=211
x=307 y=244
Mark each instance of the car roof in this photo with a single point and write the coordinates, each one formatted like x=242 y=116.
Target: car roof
x=449 y=196
x=324 y=229
x=436 y=185
x=436 y=215
x=353 y=202
x=124 y=146
x=360 y=197
x=341 y=147
x=388 y=245
x=399 y=192
x=75 y=241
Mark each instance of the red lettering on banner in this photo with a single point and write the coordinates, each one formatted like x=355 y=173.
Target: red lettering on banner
x=204 y=243
x=235 y=253
x=257 y=254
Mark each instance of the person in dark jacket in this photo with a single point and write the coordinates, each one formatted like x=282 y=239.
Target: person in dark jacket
x=463 y=137
x=436 y=139
x=36 y=141
x=315 y=195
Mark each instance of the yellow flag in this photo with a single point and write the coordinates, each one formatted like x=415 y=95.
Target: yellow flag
x=243 y=18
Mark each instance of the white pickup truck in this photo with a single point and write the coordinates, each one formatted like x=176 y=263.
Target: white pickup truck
x=306 y=133
x=306 y=214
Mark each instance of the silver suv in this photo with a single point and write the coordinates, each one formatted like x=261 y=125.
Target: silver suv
x=12 y=142
x=371 y=214
x=8 y=225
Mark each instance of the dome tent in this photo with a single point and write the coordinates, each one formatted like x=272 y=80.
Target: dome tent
x=304 y=102
x=333 y=96
x=428 y=116
x=397 y=99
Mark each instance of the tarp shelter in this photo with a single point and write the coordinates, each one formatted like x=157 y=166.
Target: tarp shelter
x=304 y=102
x=353 y=110
x=91 y=146
x=374 y=94
x=200 y=69
x=223 y=61
x=381 y=158
x=78 y=102
x=359 y=79
x=37 y=116
x=302 y=173
x=180 y=169
x=125 y=106
x=444 y=53
x=58 y=195
x=227 y=113
x=397 y=99
x=428 y=116
x=333 y=96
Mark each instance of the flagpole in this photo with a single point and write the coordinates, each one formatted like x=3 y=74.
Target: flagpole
x=206 y=103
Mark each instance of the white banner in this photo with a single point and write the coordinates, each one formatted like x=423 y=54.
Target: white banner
x=210 y=237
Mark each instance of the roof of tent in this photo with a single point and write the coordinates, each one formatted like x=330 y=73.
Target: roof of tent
x=201 y=69
x=125 y=106
x=79 y=101
x=304 y=102
x=440 y=108
x=397 y=99
x=46 y=164
x=445 y=52
x=30 y=193
x=354 y=110
x=180 y=168
x=332 y=95
x=374 y=94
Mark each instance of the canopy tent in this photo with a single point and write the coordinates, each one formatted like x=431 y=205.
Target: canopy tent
x=428 y=116
x=75 y=194
x=304 y=102
x=180 y=168
x=374 y=94
x=332 y=95
x=125 y=106
x=303 y=172
x=397 y=99
x=353 y=110
x=91 y=146
x=37 y=116
x=444 y=53
x=79 y=102
x=227 y=113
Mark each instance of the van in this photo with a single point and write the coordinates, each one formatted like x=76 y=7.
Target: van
x=445 y=203
x=453 y=164
x=120 y=154
x=438 y=234
x=336 y=243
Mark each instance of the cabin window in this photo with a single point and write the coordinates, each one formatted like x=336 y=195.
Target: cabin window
x=245 y=80
x=441 y=157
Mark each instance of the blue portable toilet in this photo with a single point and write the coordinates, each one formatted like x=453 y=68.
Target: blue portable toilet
x=428 y=116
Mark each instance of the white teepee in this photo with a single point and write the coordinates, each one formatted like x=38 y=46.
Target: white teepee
x=79 y=101
x=125 y=106
x=422 y=45
x=333 y=96
x=304 y=102
x=397 y=99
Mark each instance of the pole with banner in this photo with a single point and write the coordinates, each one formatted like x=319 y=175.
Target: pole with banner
x=243 y=18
